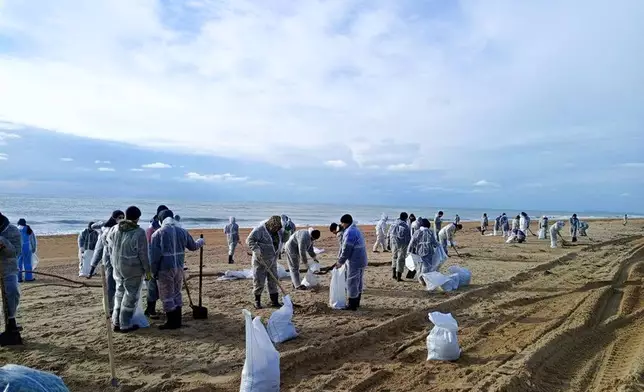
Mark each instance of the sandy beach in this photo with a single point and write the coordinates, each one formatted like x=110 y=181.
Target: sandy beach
x=534 y=318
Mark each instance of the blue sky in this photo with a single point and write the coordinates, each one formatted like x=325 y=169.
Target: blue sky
x=498 y=104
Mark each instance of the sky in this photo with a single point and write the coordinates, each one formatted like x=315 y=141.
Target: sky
x=496 y=103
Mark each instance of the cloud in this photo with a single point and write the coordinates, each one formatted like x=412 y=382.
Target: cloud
x=336 y=163
x=3 y=156
x=259 y=183
x=67 y=159
x=351 y=73
x=625 y=194
x=103 y=162
x=633 y=165
x=157 y=165
x=485 y=183
x=137 y=170
x=227 y=177
x=4 y=136
x=402 y=167
x=105 y=169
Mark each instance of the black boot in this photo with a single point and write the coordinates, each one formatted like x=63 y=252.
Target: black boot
x=393 y=273
x=131 y=329
x=170 y=321
x=275 y=301
x=358 y=301
x=353 y=304
x=11 y=336
x=12 y=326
x=230 y=259
x=399 y=276
x=151 y=310
x=258 y=302
x=178 y=318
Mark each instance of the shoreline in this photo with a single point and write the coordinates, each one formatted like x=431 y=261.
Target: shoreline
x=364 y=227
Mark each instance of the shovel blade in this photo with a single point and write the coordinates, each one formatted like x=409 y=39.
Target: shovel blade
x=199 y=312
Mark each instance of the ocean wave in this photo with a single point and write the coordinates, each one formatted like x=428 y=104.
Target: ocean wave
x=204 y=220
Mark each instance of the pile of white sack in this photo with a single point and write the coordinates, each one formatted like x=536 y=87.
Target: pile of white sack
x=311 y=280
x=248 y=274
x=457 y=277
x=442 y=342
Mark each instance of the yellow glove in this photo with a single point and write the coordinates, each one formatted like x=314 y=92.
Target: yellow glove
x=148 y=276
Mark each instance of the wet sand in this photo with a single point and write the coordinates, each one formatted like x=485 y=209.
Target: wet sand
x=534 y=318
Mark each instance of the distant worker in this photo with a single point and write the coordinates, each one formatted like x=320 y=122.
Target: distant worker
x=625 y=219
x=524 y=223
x=423 y=244
x=516 y=223
x=574 y=227
x=484 y=224
x=497 y=225
x=232 y=237
x=543 y=228
x=583 y=226
x=412 y=219
x=29 y=247
x=457 y=220
x=265 y=241
x=297 y=247
x=505 y=225
x=381 y=234
x=555 y=231
x=353 y=254
x=438 y=222
x=399 y=237
x=416 y=225
x=446 y=235
x=288 y=228
x=87 y=241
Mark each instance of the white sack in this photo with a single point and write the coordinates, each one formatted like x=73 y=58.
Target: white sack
x=318 y=251
x=542 y=233
x=139 y=317
x=464 y=275
x=411 y=260
x=442 y=342
x=86 y=263
x=338 y=288
x=311 y=280
x=248 y=274
x=34 y=261
x=280 y=326
x=261 y=372
x=436 y=280
x=314 y=267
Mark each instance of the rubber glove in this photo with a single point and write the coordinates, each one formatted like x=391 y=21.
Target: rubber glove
x=200 y=242
x=82 y=250
x=148 y=276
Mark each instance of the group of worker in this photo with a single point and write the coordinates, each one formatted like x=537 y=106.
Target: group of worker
x=130 y=254
x=411 y=235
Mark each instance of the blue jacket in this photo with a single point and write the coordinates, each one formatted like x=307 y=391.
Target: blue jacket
x=168 y=245
x=353 y=248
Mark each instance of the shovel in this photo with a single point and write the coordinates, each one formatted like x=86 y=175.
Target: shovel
x=277 y=281
x=199 y=312
x=457 y=254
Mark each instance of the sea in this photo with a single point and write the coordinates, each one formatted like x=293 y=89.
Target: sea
x=58 y=216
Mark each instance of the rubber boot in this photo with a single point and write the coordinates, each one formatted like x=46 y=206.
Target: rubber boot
x=399 y=276
x=393 y=273
x=358 y=301
x=275 y=301
x=230 y=259
x=170 y=321
x=258 y=302
x=11 y=336
x=151 y=310
x=178 y=318
x=353 y=304
x=131 y=329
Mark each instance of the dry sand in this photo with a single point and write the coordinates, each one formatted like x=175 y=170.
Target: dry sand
x=534 y=319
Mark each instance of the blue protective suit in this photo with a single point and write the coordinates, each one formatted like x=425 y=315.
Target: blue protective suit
x=29 y=247
x=10 y=252
x=354 y=254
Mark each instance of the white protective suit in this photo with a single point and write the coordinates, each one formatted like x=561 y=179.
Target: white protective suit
x=381 y=233
x=297 y=248
x=446 y=236
x=555 y=232
x=543 y=228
